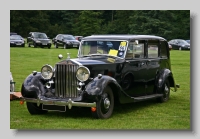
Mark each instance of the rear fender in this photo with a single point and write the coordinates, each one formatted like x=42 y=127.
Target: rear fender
x=164 y=75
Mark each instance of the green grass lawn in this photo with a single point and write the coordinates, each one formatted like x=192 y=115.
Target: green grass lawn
x=175 y=114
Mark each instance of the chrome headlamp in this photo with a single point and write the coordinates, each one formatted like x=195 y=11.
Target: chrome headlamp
x=47 y=71
x=82 y=73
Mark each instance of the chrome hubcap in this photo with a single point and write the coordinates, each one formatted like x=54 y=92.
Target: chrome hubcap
x=106 y=103
x=166 y=90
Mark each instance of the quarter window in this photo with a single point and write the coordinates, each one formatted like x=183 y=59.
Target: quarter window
x=163 y=48
x=153 y=48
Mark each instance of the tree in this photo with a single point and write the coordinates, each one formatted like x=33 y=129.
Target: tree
x=87 y=23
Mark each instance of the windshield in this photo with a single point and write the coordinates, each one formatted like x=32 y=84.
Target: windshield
x=112 y=48
x=182 y=42
x=40 y=35
x=69 y=37
x=15 y=37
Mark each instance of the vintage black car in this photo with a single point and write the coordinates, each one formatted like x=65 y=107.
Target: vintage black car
x=134 y=68
x=66 y=41
x=38 y=39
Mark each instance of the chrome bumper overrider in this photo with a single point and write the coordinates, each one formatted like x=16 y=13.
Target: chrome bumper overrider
x=68 y=103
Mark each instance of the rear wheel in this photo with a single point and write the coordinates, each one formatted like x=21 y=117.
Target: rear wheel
x=34 y=109
x=104 y=106
x=165 y=92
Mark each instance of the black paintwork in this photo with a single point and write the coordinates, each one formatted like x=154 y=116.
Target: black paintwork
x=16 y=40
x=38 y=39
x=65 y=41
x=179 y=44
x=131 y=80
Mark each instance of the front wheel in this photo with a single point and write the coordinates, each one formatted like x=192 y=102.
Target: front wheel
x=55 y=45
x=165 y=92
x=105 y=105
x=34 y=109
x=35 y=45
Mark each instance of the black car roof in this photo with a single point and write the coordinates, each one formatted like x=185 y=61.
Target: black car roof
x=65 y=34
x=38 y=32
x=123 y=37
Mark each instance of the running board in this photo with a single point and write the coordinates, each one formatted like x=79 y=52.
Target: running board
x=142 y=98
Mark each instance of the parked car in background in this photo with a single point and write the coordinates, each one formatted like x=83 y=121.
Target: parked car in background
x=17 y=40
x=66 y=41
x=38 y=39
x=136 y=68
x=179 y=44
x=188 y=41
x=78 y=38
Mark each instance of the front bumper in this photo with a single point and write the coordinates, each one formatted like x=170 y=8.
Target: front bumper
x=68 y=103
x=17 y=44
x=43 y=44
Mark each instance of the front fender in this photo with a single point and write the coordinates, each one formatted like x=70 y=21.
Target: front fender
x=33 y=86
x=97 y=85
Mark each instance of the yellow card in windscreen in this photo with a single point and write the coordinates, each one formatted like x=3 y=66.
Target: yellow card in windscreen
x=113 y=52
x=123 y=44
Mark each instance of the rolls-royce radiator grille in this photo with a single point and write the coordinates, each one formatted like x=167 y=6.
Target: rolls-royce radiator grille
x=65 y=81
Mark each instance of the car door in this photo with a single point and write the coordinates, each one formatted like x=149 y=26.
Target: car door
x=134 y=70
x=175 y=44
x=59 y=40
x=153 y=64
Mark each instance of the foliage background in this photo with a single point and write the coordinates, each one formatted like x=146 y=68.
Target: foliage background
x=169 y=24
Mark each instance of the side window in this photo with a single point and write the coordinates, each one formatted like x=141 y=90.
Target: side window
x=163 y=49
x=29 y=35
x=58 y=38
x=135 y=50
x=153 y=48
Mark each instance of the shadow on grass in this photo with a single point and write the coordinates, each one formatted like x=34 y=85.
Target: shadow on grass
x=119 y=109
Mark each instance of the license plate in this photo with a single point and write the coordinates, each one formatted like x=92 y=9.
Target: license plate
x=54 y=108
x=44 y=44
x=18 y=44
x=74 y=45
